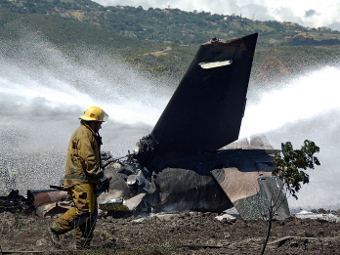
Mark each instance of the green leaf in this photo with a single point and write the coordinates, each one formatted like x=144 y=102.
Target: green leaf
x=290 y=165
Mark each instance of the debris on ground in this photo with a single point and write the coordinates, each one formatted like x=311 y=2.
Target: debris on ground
x=318 y=216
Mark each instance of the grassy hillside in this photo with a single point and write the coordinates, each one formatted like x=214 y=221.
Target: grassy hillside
x=163 y=41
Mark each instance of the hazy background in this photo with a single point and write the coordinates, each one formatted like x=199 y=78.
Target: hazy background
x=312 y=13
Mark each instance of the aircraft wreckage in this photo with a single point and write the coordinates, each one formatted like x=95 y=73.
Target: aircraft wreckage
x=190 y=161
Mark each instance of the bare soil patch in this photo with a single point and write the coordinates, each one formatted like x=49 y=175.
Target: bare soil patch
x=185 y=233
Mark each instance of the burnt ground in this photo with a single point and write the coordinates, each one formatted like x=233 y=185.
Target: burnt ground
x=185 y=233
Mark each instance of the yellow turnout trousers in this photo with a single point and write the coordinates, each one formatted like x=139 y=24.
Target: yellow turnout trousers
x=82 y=216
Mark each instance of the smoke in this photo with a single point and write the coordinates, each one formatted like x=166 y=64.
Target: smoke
x=304 y=107
x=44 y=91
x=313 y=14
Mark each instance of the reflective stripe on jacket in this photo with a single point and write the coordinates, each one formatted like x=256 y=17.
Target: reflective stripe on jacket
x=83 y=162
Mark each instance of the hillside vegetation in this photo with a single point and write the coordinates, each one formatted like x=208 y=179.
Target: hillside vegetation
x=163 y=41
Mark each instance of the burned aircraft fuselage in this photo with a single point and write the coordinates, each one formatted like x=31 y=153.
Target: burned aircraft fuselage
x=179 y=166
x=204 y=114
x=186 y=183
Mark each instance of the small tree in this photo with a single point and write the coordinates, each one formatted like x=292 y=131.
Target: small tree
x=290 y=167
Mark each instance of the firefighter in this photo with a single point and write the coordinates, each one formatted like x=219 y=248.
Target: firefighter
x=83 y=174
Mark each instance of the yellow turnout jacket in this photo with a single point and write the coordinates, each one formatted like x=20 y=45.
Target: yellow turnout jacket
x=83 y=162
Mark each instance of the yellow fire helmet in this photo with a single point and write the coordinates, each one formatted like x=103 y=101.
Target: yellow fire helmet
x=94 y=113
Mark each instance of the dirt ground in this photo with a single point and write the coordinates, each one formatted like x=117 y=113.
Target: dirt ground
x=185 y=233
